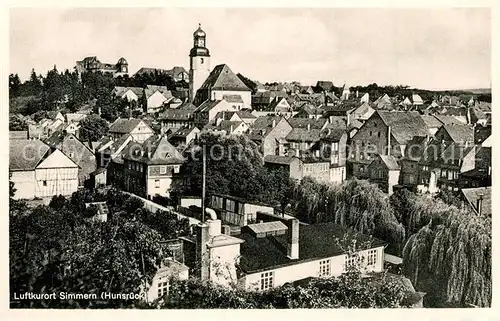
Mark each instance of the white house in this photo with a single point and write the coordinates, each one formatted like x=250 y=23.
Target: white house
x=128 y=93
x=161 y=281
x=207 y=111
x=139 y=130
x=271 y=254
x=417 y=100
x=155 y=97
x=38 y=172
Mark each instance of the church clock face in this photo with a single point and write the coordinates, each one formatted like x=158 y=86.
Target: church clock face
x=201 y=42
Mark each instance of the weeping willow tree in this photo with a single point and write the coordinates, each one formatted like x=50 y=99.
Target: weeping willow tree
x=450 y=257
x=356 y=204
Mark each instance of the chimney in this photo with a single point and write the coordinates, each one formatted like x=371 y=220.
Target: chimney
x=308 y=127
x=274 y=123
x=226 y=229
x=297 y=153
x=99 y=111
x=292 y=239
x=214 y=227
x=202 y=253
x=479 y=204
x=231 y=129
x=388 y=140
x=348 y=119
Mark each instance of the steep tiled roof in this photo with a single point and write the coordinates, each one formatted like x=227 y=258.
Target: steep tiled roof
x=223 y=78
x=176 y=114
x=304 y=135
x=124 y=125
x=325 y=85
x=332 y=134
x=75 y=117
x=304 y=122
x=472 y=196
x=154 y=151
x=26 y=154
x=207 y=105
x=233 y=99
x=390 y=161
x=448 y=120
x=275 y=159
x=404 y=125
x=431 y=121
x=460 y=133
x=262 y=126
x=151 y=89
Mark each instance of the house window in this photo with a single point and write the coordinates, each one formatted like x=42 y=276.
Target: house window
x=162 y=288
x=370 y=132
x=350 y=261
x=157 y=183
x=71 y=154
x=324 y=268
x=44 y=183
x=378 y=134
x=361 y=169
x=201 y=61
x=266 y=280
x=372 y=257
x=163 y=170
x=230 y=205
x=411 y=179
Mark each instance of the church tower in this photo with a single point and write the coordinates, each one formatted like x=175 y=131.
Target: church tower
x=199 y=62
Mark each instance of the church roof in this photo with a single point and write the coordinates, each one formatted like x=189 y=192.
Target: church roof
x=223 y=78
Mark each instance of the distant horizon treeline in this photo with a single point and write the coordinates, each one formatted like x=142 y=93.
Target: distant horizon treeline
x=69 y=90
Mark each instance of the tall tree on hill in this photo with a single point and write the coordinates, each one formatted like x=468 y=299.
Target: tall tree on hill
x=93 y=128
x=14 y=85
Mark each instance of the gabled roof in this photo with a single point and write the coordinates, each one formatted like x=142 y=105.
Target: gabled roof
x=124 y=125
x=176 y=114
x=208 y=105
x=390 y=162
x=275 y=102
x=325 y=85
x=305 y=122
x=26 y=154
x=404 y=125
x=57 y=159
x=417 y=99
x=233 y=99
x=75 y=117
x=58 y=137
x=223 y=78
x=460 y=133
x=276 y=159
x=156 y=150
x=303 y=135
x=332 y=134
x=183 y=132
x=448 y=120
x=431 y=121
x=227 y=115
x=151 y=89
x=472 y=195
x=262 y=126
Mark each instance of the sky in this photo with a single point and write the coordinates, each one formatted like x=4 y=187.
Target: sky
x=431 y=48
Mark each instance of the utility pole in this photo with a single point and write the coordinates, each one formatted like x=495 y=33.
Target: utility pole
x=203 y=189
